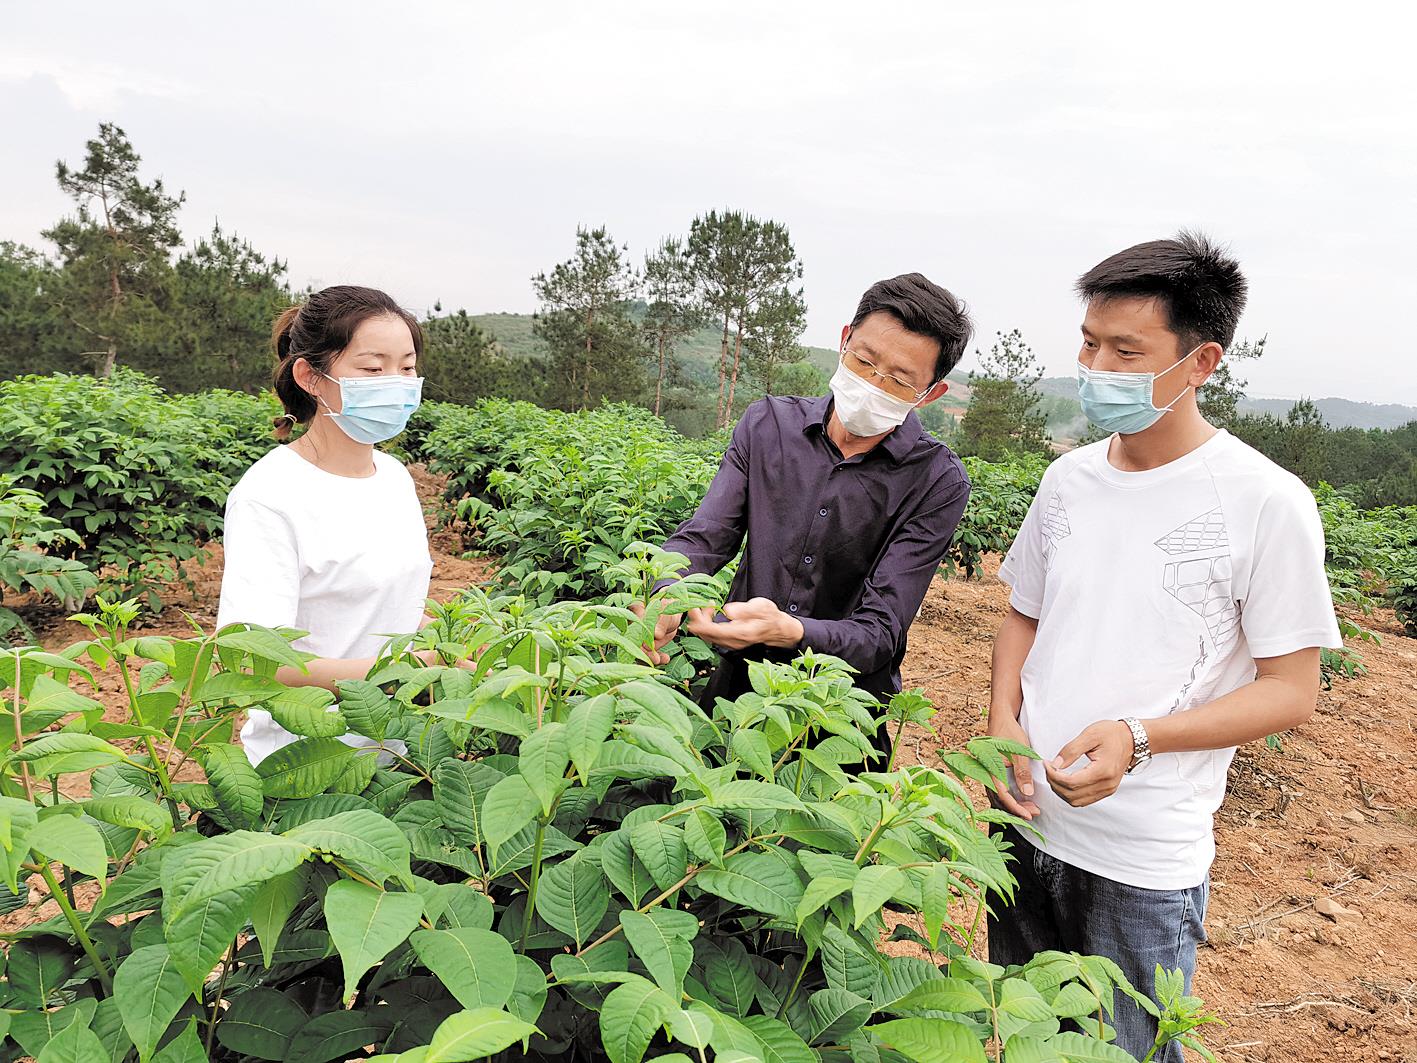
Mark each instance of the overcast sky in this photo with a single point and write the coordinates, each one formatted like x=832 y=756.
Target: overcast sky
x=447 y=151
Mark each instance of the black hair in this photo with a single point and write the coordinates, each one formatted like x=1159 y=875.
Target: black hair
x=922 y=307
x=1199 y=287
x=318 y=330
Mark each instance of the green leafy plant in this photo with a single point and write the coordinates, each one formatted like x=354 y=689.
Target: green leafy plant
x=1179 y=1015
x=563 y=857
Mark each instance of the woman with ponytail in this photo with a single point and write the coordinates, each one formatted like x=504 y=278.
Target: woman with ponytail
x=326 y=533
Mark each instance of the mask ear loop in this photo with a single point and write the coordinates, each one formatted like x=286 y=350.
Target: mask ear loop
x=1189 y=387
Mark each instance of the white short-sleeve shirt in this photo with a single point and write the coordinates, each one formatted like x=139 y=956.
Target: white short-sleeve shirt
x=344 y=558
x=1154 y=592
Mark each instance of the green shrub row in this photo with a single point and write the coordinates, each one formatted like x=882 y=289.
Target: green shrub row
x=136 y=478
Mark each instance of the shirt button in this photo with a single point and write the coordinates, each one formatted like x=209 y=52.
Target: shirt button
x=821 y=512
x=792 y=608
x=807 y=560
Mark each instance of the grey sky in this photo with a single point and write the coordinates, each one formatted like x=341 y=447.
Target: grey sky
x=448 y=150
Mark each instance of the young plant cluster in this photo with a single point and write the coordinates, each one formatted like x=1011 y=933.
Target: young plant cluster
x=27 y=535
x=550 y=854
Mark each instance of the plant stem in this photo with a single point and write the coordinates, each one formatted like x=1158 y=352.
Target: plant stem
x=184 y=703
x=68 y=875
x=220 y=989
x=865 y=849
x=186 y=755
x=994 y=1019
x=895 y=744
x=801 y=969
x=162 y=777
x=76 y=925
x=689 y=877
x=974 y=929
x=20 y=734
x=535 y=882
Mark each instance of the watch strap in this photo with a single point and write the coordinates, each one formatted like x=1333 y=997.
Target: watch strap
x=1141 y=744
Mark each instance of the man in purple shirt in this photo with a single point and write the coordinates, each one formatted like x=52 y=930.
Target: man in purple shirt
x=848 y=505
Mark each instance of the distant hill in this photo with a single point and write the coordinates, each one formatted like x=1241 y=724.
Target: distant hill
x=1342 y=413
x=699 y=356
x=1338 y=413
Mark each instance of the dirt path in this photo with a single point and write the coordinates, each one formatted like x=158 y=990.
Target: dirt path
x=1330 y=815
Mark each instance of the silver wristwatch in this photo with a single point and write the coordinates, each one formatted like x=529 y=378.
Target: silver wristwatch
x=1141 y=745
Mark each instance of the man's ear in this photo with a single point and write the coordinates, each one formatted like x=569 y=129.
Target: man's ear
x=1208 y=357
x=936 y=391
x=845 y=335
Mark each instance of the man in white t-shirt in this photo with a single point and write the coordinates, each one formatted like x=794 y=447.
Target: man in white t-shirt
x=1168 y=602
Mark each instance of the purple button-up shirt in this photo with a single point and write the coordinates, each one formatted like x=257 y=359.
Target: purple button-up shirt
x=846 y=545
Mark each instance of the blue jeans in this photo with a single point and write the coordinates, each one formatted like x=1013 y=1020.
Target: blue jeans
x=1062 y=907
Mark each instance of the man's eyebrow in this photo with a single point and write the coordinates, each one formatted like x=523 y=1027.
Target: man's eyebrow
x=1125 y=337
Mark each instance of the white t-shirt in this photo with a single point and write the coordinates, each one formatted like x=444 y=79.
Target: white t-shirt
x=1154 y=592
x=344 y=558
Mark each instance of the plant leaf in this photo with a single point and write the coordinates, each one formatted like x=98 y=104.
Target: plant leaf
x=150 y=991
x=629 y=1018
x=587 y=728
x=76 y=1043
x=460 y=790
x=130 y=811
x=573 y=897
x=662 y=940
x=260 y=1022
x=186 y=1047
x=475 y=1035
x=19 y=818
x=478 y=967
x=837 y=1013
x=237 y=785
x=274 y=901
x=377 y=847
x=542 y=762
x=931 y=1040
x=339 y=1035
x=305 y=767
x=72 y=842
x=510 y=805
x=200 y=870
x=201 y=935
x=663 y=851
x=873 y=887
x=756 y=881
x=365 y=924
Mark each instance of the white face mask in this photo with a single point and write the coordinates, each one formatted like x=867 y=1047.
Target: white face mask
x=865 y=410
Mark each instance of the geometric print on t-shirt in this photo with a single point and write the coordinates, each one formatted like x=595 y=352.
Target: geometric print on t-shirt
x=1199 y=575
x=1055 y=528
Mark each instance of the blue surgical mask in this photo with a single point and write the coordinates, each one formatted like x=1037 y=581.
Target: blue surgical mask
x=1123 y=402
x=376 y=408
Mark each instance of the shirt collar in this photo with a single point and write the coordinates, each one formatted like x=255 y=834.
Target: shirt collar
x=897 y=445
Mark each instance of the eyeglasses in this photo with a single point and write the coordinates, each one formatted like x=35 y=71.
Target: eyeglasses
x=891 y=385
